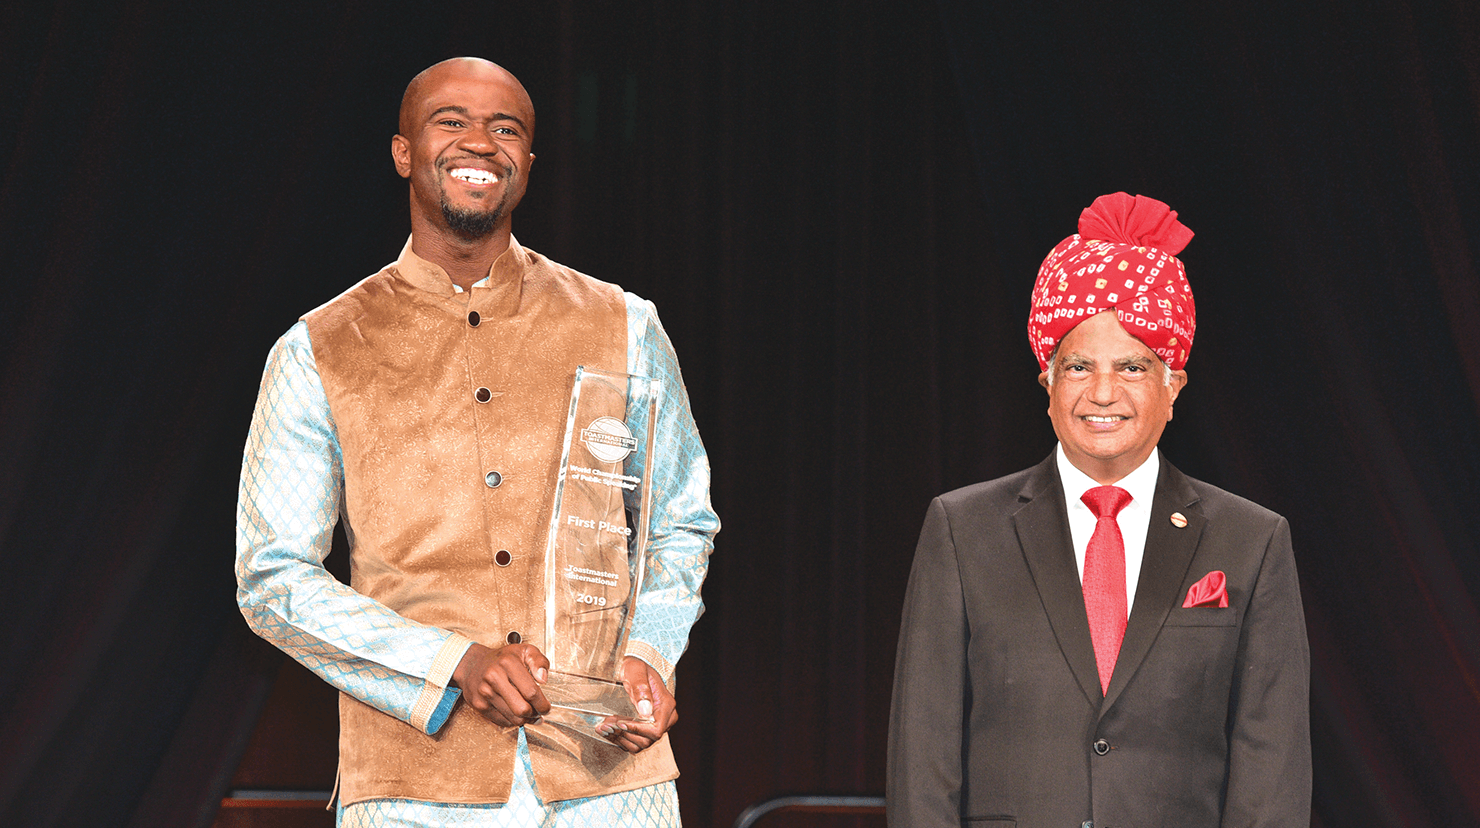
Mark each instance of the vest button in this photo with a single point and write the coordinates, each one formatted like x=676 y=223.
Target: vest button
x=1101 y=747
x=474 y=318
x=482 y=395
x=513 y=637
x=503 y=558
x=493 y=478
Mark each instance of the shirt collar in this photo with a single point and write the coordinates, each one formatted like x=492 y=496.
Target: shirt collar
x=1141 y=483
x=432 y=278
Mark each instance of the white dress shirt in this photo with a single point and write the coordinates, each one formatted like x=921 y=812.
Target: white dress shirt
x=1134 y=519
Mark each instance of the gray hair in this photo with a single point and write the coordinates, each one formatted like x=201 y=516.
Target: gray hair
x=1053 y=366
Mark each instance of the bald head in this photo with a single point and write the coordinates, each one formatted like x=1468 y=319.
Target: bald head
x=457 y=70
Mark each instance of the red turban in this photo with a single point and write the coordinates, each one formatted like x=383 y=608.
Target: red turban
x=1124 y=257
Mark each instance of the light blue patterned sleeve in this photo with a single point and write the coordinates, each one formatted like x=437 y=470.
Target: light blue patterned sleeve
x=291 y=490
x=683 y=524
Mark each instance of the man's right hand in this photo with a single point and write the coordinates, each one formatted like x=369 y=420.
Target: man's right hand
x=504 y=684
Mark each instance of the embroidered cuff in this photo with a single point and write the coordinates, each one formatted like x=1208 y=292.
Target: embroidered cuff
x=646 y=652
x=435 y=702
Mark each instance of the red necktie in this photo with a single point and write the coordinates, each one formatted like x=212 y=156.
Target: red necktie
x=1104 y=578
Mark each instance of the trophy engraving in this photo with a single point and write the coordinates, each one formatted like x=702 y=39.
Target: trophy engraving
x=597 y=545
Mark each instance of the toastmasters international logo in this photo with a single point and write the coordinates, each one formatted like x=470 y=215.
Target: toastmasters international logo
x=608 y=439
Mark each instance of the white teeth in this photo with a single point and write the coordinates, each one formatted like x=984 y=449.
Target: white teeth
x=1095 y=419
x=473 y=176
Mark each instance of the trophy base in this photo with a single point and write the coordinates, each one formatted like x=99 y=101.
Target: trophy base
x=584 y=703
x=590 y=695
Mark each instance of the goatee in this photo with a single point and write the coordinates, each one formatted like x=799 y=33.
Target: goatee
x=471 y=224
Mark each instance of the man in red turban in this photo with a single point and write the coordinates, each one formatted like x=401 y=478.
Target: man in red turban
x=1101 y=640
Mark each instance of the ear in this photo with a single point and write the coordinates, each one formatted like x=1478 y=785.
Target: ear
x=401 y=155
x=1043 y=381
x=1179 y=381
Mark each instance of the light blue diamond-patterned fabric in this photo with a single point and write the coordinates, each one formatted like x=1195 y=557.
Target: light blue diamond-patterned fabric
x=290 y=496
x=655 y=806
x=683 y=524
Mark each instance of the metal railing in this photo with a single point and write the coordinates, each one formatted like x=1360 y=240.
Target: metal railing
x=811 y=804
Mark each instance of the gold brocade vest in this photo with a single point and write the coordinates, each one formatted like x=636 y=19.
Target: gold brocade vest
x=450 y=410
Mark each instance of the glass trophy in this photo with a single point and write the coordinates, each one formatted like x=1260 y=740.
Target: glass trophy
x=597 y=545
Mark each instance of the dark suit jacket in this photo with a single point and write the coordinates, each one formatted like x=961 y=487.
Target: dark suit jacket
x=997 y=707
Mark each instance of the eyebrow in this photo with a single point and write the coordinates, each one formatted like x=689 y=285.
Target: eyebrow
x=1076 y=358
x=462 y=110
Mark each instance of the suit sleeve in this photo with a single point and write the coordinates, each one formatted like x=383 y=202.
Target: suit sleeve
x=1269 y=779
x=928 y=711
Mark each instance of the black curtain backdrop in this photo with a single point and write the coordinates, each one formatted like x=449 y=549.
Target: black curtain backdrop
x=839 y=209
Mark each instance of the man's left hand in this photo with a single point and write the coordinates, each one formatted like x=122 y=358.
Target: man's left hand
x=649 y=693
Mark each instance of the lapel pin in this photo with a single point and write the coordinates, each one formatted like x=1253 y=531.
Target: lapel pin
x=1179 y=520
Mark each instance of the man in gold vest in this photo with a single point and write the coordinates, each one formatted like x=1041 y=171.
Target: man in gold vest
x=425 y=407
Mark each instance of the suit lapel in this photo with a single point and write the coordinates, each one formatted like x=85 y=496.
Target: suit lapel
x=1169 y=552
x=1042 y=526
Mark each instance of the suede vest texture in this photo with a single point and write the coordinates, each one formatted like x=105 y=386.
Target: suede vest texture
x=406 y=371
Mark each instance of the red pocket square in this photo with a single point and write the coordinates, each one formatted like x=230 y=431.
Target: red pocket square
x=1211 y=591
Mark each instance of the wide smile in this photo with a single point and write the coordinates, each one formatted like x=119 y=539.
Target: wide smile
x=1103 y=422
x=473 y=176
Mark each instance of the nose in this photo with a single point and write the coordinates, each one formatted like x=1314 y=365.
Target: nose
x=1102 y=388
x=478 y=139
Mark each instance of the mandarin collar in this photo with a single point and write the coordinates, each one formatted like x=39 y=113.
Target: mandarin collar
x=507 y=269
